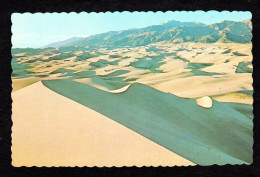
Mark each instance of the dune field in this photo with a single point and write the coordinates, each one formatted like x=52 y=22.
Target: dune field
x=158 y=104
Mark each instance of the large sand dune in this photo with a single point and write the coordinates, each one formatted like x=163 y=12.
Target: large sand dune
x=203 y=135
x=52 y=130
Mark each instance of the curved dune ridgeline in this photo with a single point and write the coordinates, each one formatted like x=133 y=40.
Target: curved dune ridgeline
x=66 y=133
x=217 y=135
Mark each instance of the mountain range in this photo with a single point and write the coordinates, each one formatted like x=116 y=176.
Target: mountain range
x=170 y=32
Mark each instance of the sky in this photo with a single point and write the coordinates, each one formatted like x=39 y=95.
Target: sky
x=39 y=29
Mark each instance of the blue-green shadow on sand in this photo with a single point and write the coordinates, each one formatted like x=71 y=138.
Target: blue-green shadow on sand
x=219 y=135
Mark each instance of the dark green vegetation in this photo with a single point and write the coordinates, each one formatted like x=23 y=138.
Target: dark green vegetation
x=203 y=136
x=172 y=31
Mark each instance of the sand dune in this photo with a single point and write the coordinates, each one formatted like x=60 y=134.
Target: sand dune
x=198 y=86
x=202 y=135
x=185 y=97
x=51 y=130
x=18 y=84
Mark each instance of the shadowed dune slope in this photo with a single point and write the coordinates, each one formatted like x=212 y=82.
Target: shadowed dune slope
x=52 y=130
x=218 y=135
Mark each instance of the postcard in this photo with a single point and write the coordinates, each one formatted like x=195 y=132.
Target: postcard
x=132 y=89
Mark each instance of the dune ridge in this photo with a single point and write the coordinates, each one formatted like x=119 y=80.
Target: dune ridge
x=66 y=133
x=202 y=135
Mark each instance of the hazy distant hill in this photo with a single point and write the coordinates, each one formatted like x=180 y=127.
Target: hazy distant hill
x=63 y=43
x=172 y=31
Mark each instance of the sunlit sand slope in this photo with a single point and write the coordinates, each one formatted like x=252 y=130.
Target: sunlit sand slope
x=18 y=84
x=205 y=136
x=52 y=130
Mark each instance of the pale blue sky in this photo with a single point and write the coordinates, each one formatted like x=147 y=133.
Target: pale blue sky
x=37 y=30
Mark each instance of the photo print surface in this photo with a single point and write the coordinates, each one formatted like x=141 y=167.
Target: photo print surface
x=132 y=89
